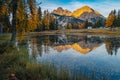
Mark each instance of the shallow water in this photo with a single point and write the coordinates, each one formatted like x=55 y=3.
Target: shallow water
x=98 y=55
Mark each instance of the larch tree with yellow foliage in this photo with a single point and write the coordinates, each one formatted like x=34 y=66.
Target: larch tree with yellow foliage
x=4 y=17
x=21 y=16
x=110 y=19
x=22 y=20
x=69 y=26
x=46 y=20
x=33 y=21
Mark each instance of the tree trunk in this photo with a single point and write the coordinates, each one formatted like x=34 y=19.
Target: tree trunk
x=14 y=13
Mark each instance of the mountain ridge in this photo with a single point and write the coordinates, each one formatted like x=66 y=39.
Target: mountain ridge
x=62 y=11
x=79 y=12
x=79 y=16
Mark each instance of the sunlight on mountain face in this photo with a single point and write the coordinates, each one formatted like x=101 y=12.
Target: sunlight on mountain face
x=77 y=13
x=62 y=47
x=80 y=11
x=77 y=47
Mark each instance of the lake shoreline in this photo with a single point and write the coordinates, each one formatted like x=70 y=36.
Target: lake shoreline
x=101 y=32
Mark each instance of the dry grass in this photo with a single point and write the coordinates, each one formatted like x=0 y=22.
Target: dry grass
x=104 y=31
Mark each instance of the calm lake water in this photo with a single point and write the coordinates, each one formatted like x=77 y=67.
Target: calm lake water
x=98 y=55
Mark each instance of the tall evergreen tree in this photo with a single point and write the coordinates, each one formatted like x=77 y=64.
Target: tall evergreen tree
x=99 y=23
x=52 y=22
x=39 y=13
x=45 y=20
x=118 y=21
x=33 y=16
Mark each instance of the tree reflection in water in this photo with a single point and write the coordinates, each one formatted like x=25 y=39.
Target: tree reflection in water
x=112 y=45
x=42 y=44
x=86 y=52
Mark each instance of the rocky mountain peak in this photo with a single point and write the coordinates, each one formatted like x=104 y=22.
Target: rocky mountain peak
x=61 y=11
x=60 y=8
x=86 y=7
x=77 y=13
x=80 y=15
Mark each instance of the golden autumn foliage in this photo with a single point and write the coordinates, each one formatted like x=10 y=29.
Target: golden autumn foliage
x=110 y=20
x=21 y=36
x=21 y=18
x=46 y=20
x=81 y=26
x=52 y=18
x=4 y=17
x=69 y=26
x=25 y=22
x=3 y=10
x=33 y=20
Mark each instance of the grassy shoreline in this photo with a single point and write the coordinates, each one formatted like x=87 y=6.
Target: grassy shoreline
x=99 y=32
x=104 y=32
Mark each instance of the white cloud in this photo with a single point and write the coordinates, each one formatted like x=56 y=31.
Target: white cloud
x=104 y=7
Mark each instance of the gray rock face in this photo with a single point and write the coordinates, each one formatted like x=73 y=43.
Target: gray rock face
x=91 y=17
x=64 y=20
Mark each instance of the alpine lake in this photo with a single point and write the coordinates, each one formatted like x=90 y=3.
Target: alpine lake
x=89 y=55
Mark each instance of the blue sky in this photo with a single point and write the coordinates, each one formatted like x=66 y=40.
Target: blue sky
x=102 y=6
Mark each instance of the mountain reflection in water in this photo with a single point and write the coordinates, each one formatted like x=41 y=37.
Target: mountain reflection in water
x=81 y=44
x=98 y=54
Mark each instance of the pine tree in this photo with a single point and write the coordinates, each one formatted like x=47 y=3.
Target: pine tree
x=39 y=13
x=115 y=24
x=52 y=22
x=33 y=16
x=118 y=21
x=99 y=23
x=56 y=24
x=46 y=20
x=22 y=18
